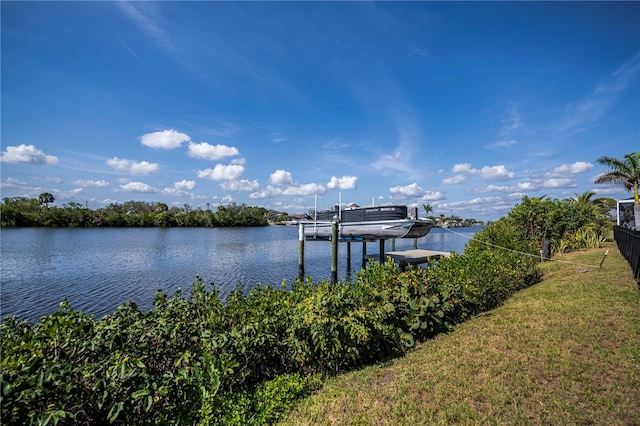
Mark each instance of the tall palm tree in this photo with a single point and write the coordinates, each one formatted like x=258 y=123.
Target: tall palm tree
x=46 y=198
x=627 y=173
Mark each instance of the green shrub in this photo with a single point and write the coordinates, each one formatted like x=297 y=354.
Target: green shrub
x=194 y=359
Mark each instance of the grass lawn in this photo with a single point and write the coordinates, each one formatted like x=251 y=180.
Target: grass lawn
x=565 y=351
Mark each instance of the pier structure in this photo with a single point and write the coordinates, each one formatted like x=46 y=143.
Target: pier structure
x=403 y=258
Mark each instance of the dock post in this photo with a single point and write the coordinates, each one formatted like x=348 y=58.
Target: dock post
x=334 y=252
x=348 y=259
x=393 y=244
x=415 y=244
x=301 y=252
x=381 y=251
x=364 y=254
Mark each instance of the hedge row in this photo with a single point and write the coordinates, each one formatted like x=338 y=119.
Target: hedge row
x=194 y=359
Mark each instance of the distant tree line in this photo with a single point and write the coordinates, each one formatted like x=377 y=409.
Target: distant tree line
x=22 y=211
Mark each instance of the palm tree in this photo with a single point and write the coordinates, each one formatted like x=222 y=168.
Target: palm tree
x=584 y=198
x=46 y=198
x=427 y=209
x=627 y=173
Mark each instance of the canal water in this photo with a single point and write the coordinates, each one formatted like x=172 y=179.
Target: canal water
x=98 y=269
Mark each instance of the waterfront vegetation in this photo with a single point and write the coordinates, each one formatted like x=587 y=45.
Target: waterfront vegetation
x=22 y=211
x=563 y=352
x=198 y=360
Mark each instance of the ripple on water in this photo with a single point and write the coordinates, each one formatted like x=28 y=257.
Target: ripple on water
x=99 y=269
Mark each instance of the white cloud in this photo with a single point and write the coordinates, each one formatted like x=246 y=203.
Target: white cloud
x=137 y=187
x=180 y=189
x=132 y=167
x=499 y=172
x=28 y=154
x=526 y=186
x=575 y=168
x=91 y=183
x=522 y=186
x=304 y=190
x=559 y=183
x=462 y=168
x=68 y=195
x=187 y=185
x=211 y=152
x=242 y=185
x=414 y=191
x=222 y=172
x=166 y=139
x=260 y=195
x=345 y=182
x=281 y=177
x=496 y=173
x=492 y=188
x=12 y=183
x=454 y=180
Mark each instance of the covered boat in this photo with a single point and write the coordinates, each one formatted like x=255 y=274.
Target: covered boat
x=368 y=223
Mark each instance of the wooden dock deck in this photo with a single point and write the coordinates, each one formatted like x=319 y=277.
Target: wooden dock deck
x=412 y=257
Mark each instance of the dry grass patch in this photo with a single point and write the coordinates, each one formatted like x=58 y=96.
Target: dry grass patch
x=565 y=351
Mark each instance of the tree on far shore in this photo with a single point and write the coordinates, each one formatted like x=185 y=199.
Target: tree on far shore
x=46 y=198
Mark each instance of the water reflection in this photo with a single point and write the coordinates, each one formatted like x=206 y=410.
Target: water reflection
x=98 y=269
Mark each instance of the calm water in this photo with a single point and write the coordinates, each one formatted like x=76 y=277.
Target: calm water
x=98 y=269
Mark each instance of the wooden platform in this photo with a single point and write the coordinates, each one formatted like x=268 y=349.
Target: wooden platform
x=412 y=257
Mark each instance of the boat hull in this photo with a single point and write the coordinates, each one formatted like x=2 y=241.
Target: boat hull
x=369 y=230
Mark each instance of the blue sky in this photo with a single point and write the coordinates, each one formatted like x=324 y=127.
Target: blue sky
x=463 y=106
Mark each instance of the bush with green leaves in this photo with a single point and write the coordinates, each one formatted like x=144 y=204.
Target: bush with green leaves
x=194 y=359
x=197 y=360
x=567 y=224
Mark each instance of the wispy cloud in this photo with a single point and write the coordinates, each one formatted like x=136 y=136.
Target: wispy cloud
x=595 y=105
x=416 y=51
x=402 y=159
x=510 y=124
x=146 y=17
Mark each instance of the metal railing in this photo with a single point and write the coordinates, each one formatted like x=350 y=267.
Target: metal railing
x=629 y=245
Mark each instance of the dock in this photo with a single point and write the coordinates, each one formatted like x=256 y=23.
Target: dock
x=402 y=258
x=412 y=257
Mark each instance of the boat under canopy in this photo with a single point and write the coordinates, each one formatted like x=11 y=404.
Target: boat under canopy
x=368 y=224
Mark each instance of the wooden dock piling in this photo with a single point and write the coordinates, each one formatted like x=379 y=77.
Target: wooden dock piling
x=301 y=251
x=334 y=252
